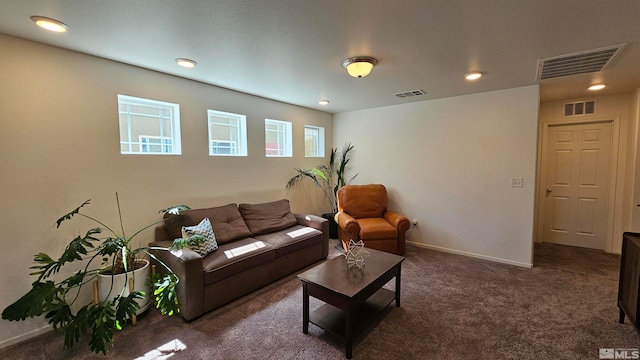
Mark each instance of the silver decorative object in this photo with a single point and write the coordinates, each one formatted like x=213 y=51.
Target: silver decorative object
x=355 y=254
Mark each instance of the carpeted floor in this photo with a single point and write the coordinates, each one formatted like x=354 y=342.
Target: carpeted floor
x=453 y=307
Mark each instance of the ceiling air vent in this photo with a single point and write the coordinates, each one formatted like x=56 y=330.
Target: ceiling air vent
x=577 y=63
x=580 y=108
x=407 y=94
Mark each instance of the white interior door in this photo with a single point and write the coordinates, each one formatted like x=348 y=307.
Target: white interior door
x=576 y=172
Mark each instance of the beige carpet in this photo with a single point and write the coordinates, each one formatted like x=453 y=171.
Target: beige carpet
x=453 y=307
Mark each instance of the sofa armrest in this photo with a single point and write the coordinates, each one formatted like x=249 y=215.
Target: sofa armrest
x=161 y=234
x=187 y=265
x=398 y=221
x=349 y=225
x=318 y=223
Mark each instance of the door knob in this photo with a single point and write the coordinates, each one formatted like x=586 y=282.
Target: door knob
x=549 y=190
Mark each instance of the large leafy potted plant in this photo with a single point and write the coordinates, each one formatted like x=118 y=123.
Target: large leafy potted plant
x=329 y=178
x=107 y=255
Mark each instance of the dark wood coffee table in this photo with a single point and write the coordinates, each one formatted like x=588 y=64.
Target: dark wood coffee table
x=353 y=297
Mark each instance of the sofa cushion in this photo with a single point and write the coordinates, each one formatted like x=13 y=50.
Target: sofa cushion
x=235 y=257
x=267 y=217
x=292 y=239
x=226 y=221
x=203 y=228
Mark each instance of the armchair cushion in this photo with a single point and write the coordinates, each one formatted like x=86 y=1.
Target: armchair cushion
x=376 y=229
x=364 y=201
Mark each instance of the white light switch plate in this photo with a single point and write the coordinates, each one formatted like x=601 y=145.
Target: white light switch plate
x=517 y=182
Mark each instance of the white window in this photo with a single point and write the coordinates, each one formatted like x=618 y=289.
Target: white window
x=148 y=126
x=278 y=142
x=313 y=141
x=227 y=134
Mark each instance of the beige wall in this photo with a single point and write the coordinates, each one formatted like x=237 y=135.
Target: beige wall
x=616 y=108
x=60 y=146
x=448 y=163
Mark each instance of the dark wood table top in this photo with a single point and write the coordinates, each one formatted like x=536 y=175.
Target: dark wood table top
x=334 y=274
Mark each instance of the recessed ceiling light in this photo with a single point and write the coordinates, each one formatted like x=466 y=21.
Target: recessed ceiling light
x=597 y=87
x=49 y=24
x=475 y=75
x=187 y=63
x=323 y=102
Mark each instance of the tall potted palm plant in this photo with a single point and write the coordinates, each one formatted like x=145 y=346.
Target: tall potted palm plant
x=329 y=178
x=113 y=253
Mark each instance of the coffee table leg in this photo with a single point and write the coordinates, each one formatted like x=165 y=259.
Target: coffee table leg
x=305 y=309
x=398 y=285
x=348 y=331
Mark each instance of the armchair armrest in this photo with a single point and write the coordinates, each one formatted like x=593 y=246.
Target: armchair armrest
x=187 y=265
x=400 y=222
x=349 y=225
x=318 y=223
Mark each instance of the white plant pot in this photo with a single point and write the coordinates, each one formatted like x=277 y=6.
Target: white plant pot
x=141 y=278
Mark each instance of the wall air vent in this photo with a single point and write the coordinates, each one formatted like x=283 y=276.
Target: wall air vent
x=407 y=94
x=578 y=63
x=580 y=108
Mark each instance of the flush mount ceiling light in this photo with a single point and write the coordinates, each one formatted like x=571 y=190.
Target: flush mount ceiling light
x=187 y=63
x=323 y=102
x=596 y=87
x=474 y=75
x=359 y=66
x=49 y=24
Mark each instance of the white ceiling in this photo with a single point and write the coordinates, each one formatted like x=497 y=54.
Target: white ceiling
x=292 y=50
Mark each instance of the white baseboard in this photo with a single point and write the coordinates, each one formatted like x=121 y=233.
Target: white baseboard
x=25 y=336
x=474 y=255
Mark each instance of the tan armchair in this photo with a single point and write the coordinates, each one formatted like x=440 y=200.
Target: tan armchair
x=363 y=215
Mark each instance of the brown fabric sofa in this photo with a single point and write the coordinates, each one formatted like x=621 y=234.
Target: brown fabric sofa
x=257 y=244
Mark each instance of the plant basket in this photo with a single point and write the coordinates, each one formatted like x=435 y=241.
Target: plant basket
x=333 y=225
x=109 y=285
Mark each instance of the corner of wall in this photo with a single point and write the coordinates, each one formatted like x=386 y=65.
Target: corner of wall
x=633 y=181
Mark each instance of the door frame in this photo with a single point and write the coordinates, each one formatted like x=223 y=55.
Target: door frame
x=610 y=221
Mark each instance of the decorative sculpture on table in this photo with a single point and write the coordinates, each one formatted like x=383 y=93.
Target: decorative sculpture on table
x=355 y=254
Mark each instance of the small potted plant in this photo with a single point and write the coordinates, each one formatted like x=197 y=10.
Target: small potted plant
x=329 y=178
x=110 y=311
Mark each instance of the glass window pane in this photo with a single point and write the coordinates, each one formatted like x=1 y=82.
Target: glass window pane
x=278 y=136
x=148 y=126
x=227 y=133
x=313 y=141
